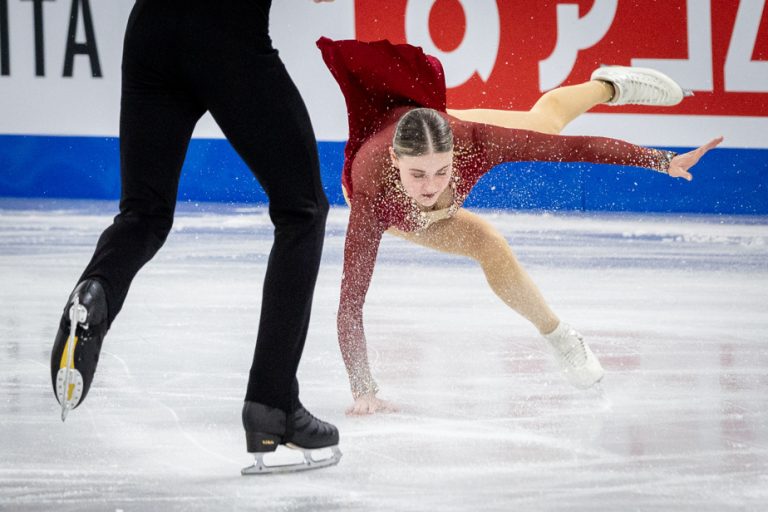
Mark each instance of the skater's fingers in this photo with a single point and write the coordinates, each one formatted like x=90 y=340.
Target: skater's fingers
x=679 y=166
x=354 y=410
x=367 y=405
x=362 y=407
x=679 y=172
x=712 y=144
x=697 y=153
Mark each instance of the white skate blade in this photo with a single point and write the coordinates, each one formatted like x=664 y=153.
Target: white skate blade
x=313 y=459
x=69 y=390
x=606 y=404
x=583 y=380
x=69 y=381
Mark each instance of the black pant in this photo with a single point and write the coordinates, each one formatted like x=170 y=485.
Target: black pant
x=182 y=58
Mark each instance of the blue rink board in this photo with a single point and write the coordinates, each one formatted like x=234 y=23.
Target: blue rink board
x=726 y=181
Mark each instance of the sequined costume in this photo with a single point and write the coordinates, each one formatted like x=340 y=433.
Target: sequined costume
x=380 y=82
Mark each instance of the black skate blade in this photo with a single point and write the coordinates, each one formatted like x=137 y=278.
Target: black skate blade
x=313 y=459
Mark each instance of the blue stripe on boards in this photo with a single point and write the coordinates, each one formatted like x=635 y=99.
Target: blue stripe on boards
x=727 y=181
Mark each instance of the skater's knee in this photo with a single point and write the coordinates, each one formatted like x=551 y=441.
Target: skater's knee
x=307 y=215
x=154 y=227
x=549 y=116
x=495 y=252
x=322 y=209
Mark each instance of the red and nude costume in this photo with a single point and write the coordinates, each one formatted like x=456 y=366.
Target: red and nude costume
x=380 y=82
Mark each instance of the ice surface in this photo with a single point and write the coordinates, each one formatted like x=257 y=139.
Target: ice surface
x=675 y=306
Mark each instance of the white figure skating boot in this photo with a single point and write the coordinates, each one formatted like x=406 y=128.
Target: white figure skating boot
x=640 y=86
x=576 y=360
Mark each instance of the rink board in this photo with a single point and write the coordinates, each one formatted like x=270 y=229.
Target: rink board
x=729 y=180
x=60 y=86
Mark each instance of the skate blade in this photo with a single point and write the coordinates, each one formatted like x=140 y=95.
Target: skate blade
x=69 y=390
x=605 y=402
x=581 y=382
x=69 y=381
x=311 y=461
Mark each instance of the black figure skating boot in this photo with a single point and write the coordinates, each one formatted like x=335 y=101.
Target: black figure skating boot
x=267 y=427
x=78 y=343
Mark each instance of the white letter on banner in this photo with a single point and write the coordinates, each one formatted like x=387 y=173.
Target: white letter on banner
x=574 y=34
x=741 y=72
x=477 y=51
x=695 y=72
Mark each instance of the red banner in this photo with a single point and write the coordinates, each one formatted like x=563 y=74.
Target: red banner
x=504 y=53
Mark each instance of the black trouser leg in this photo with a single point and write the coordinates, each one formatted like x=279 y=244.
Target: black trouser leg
x=270 y=128
x=156 y=122
x=180 y=58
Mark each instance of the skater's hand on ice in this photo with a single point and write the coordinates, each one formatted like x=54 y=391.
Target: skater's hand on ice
x=678 y=167
x=369 y=404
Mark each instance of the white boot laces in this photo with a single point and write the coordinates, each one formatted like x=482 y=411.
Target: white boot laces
x=645 y=89
x=576 y=356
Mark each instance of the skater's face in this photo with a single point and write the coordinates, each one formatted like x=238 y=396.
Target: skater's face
x=424 y=177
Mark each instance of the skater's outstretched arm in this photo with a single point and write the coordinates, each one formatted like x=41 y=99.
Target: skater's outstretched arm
x=360 y=249
x=493 y=145
x=497 y=145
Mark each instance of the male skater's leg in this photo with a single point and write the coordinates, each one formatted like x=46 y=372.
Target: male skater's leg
x=265 y=119
x=156 y=123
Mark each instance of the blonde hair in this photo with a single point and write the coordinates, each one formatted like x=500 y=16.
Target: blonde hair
x=422 y=131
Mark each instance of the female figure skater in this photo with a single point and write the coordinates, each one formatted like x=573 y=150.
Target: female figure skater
x=410 y=163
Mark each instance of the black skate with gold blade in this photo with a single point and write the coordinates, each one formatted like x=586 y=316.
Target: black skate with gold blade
x=77 y=346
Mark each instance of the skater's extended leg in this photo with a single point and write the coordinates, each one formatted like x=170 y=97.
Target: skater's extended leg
x=158 y=113
x=469 y=235
x=551 y=113
x=156 y=122
x=614 y=85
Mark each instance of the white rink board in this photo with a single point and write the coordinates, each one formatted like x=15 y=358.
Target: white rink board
x=83 y=105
